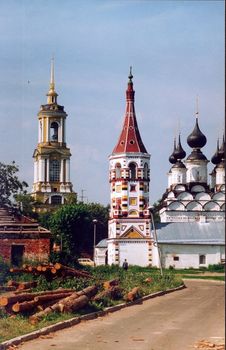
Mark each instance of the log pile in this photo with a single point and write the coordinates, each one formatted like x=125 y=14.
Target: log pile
x=51 y=271
x=43 y=303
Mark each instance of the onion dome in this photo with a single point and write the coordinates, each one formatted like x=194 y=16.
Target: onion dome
x=179 y=153
x=196 y=154
x=130 y=140
x=216 y=157
x=172 y=158
x=178 y=165
x=196 y=139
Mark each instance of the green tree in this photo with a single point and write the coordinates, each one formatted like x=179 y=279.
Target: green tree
x=10 y=183
x=26 y=203
x=72 y=226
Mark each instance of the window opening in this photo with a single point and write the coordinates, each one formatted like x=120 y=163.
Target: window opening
x=54 y=131
x=54 y=170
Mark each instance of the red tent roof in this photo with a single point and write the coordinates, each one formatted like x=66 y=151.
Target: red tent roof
x=130 y=139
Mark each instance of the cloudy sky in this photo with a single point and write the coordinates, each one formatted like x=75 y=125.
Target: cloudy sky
x=176 y=49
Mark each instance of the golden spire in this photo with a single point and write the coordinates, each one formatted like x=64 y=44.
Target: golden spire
x=52 y=95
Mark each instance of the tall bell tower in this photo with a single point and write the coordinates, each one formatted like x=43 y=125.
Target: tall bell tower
x=129 y=223
x=52 y=184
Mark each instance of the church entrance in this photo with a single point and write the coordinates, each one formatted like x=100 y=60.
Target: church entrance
x=135 y=252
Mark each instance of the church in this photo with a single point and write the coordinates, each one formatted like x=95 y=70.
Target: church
x=192 y=211
x=52 y=185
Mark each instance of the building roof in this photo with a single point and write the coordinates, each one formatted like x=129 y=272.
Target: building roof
x=102 y=243
x=130 y=140
x=13 y=224
x=191 y=233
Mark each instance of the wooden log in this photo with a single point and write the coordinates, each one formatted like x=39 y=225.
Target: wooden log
x=109 y=284
x=73 y=302
x=27 y=285
x=16 y=269
x=6 y=300
x=25 y=306
x=113 y=293
x=43 y=299
x=133 y=294
x=11 y=283
x=48 y=297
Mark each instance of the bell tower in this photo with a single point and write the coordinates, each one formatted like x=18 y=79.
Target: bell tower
x=52 y=184
x=129 y=223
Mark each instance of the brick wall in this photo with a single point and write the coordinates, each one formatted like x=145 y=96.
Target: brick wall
x=34 y=249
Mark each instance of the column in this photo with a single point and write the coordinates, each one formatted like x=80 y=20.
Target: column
x=62 y=170
x=47 y=170
x=61 y=131
x=42 y=139
x=67 y=170
x=47 y=129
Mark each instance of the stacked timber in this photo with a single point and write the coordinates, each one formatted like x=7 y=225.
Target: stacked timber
x=51 y=271
x=43 y=303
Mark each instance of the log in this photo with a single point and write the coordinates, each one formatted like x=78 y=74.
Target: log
x=27 y=285
x=74 y=302
x=48 y=297
x=43 y=299
x=133 y=294
x=61 y=306
x=25 y=306
x=113 y=293
x=11 y=283
x=6 y=300
x=109 y=284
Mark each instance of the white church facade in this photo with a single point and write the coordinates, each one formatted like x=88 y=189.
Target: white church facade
x=129 y=235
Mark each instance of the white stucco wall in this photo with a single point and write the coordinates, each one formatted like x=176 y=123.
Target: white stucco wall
x=188 y=255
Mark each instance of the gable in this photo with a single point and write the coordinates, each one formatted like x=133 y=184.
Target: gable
x=132 y=232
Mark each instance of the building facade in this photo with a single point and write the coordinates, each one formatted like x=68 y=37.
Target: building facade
x=189 y=196
x=129 y=175
x=52 y=184
x=22 y=238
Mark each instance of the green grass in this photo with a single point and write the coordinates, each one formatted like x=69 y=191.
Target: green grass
x=13 y=326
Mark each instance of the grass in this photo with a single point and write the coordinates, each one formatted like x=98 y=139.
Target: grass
x=13 y=326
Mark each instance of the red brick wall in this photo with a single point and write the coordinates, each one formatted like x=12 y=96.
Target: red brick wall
x=34 y=249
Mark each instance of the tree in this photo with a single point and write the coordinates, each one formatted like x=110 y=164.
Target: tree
x=10 y=183
x=72 y=226
x=26 y=204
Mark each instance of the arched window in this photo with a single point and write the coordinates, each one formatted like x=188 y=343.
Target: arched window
x=54 y=170
x=118 y=171
x=202 y=259
x=56 y=200
x=54 y=131
x=145 y=171
x=133 y=171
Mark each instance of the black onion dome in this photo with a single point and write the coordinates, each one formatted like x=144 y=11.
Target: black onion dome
x=196 y=154
x=179 y=165
x=216 y=157
x=196 y=139
x=179 y=152
x=172 y=158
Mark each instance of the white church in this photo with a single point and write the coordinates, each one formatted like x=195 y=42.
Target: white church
x=192 y=211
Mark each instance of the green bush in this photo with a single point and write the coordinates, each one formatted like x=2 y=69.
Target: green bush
x=216 y=268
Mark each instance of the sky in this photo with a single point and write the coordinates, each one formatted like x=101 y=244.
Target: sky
x=175 y=48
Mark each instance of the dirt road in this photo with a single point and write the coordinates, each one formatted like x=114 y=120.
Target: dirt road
x=174 y=321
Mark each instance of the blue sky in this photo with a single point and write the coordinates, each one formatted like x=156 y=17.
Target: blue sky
x=176 y=49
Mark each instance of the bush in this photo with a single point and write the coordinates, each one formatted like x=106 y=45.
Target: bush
x=216 y=268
